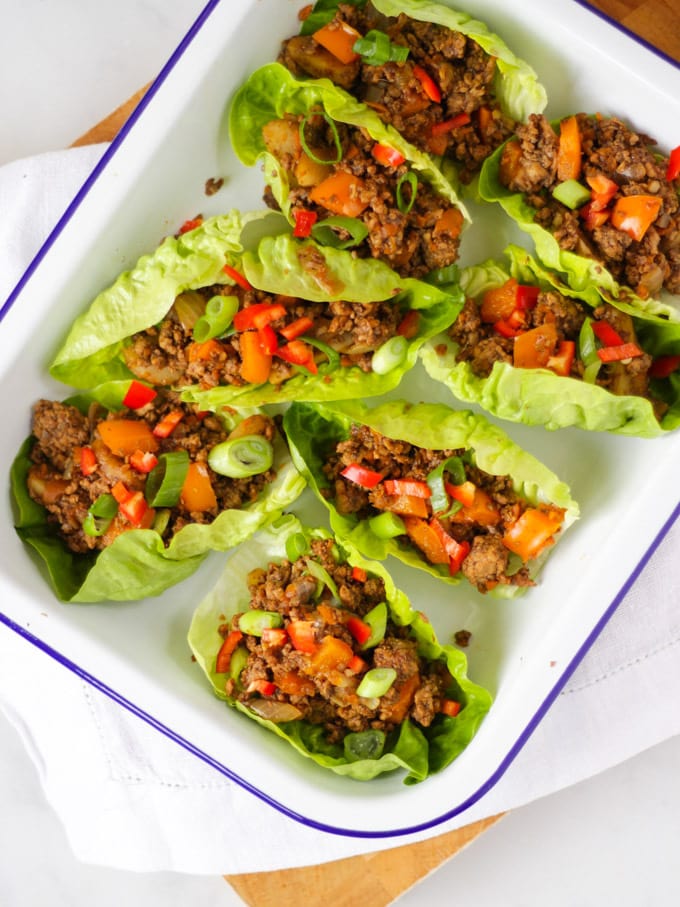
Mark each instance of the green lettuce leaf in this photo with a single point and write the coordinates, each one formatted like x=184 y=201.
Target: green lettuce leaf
x=539 y=396
x=418 y=751
x=276 y=268
x=314 y=430
x=137 y=564
x=584 y=275
x=271 y=91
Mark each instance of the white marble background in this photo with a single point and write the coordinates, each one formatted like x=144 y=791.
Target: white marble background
x=612 y=840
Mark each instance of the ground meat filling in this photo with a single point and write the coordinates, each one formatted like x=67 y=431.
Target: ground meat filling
x=481 y=525
x=320 y=684
x=610 y=149
x=481 y=346
x=57 y=480
x=167 y=355
x=410 y=226
x=461 y=70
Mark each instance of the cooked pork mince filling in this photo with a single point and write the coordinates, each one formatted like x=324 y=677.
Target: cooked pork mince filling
x=286 y=331
x=100 y=474
x=554 y=332
x=452 y=512
x=440 y=97
x=307 y=650
x=628 y=213
x=407 y=224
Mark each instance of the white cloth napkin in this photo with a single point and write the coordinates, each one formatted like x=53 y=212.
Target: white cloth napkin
x=130 y=798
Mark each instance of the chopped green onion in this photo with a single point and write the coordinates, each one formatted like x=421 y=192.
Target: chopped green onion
x=332 y=355
x=336 y=138
x=403 y=204
x=323 y=576
x=364 y=745
x=390 y=355
x=377 y=621
x=325 y=231
x=237 y=662
x=442 y=277
x=165 y=481
x=587 y=351
x=571 y=193
x=161 y=520
x=296 y=546
x=387 y=525
x=100 y=515
x=376 y=682
x=375 y=48
x=440 y=500
x=217 y=317
x=255 y=621
x=241 y=457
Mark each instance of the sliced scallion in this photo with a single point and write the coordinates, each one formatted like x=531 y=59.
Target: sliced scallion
x=237 y=662
x=324 y=578
x=334 y=132
x=217 y=317
x=587 y=351
x=387 y=525
x=376 y=682
x=405 y=204
x=332 y=355
x=326 y=231
x=375 y=48
x=100 y=515
x=435 y=479
x=255 y=621
x=571 y=193
x=390 y=355
x=377 y=621
x=296 y=546
x=241 y=457
x=165 y=481
x=442 y=277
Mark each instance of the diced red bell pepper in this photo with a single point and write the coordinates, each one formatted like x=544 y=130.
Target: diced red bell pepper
x=297 y=328
x=527 y=297
x=673 y=169
x=304 y=221
x=617 y=353
x=227 y=649
x=168 y=423
x=428 y=84
x=262 y=686
x=506 y=329
x=359 y=574
x=450 y=707
x=388 y=157
x=356 y=665
x=276 y=637
x=411 y=487
x=302 y=636
x=297 y=352
x=237 y=277
x=132 y=504
x=409 y=325
x=593 y=217
x=190 y=224
x=88 y=461
x=663 y=366
x=464 y=493
x=258 y=315
x=268 y=339
x=562 y=359
x=359 y=629
x=138 y=395
x=361 y=475
x=449 y=125
x=606 y=334
x=603 y=190
x=143 y=461
x=455 y=551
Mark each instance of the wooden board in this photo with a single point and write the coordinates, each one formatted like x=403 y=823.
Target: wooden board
x=379 y=878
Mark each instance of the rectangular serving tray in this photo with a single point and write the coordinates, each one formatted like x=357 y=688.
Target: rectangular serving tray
x=149 y=182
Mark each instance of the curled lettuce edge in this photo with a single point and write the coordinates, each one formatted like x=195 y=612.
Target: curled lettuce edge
x=314 y=429
x=418 y=751
x=275 y=267
x=538 y=396
x=137 y=564
x=584 y=275
x=272 y=91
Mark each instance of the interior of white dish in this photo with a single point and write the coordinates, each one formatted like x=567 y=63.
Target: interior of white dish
x=522 y=650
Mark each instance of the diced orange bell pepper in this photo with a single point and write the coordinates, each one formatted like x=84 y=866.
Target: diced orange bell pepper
x=302 y=636
x=450 y=222
x=88 y=460
x=533 y=531
x=426 y=539
x=534 y=348
x=634 y=214
x=510 y=162
x=409 y=324
x=338 y=37
x=124 y=436
x=256 y=364
x=227 y=649
x=499 y=302
x=293 y=684
x=198 y=495
x=168 y=423
x=480 y=510
x=199 y=352
x=569 y=150
x=332 y=655
x=340 y=193
x=407 y=505
x=396 y=711
x=412 y=487
x=450 y=707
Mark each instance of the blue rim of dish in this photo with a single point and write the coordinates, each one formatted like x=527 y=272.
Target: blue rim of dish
x=167 y=731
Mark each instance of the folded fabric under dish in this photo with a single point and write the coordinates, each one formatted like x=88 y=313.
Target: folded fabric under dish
x=130 y=798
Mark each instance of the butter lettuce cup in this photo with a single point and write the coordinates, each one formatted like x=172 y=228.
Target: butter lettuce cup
x=227 y=324
x=600 y=203
x=528 y=348
x=449 y=85
x=441 y=490
x=123 y=490
x=315 y=643
x=343 y=177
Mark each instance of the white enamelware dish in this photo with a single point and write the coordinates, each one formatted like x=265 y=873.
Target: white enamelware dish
x=148 y=182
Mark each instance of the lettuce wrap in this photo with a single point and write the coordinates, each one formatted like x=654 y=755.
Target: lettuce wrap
x=328 y=158
x=100 y=555
x=424 y=437
x=569 y=395
x=117 y=336
x=391 y=741
x=499 y=88
x=588 y=210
